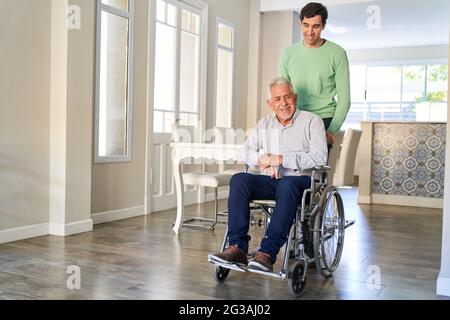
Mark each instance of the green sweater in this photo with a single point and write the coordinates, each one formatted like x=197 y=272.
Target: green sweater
x=318 y=75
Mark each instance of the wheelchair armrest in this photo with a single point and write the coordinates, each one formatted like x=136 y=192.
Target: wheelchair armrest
x=321 y=169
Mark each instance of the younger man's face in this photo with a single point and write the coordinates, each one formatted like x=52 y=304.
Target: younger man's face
x=312 y=30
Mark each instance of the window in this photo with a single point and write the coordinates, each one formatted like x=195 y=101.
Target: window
x=224 y=74
x=177 y=65
x=398 y=93
x=113 y=108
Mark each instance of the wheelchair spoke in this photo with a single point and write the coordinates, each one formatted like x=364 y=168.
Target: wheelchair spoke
x=257 y=229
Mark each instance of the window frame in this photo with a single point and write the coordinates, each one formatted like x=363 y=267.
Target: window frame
x=233 y=77
x=129 y=15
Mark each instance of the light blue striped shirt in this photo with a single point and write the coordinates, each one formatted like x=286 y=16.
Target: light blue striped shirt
x=302 y=144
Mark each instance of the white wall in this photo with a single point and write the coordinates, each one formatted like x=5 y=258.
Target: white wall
x=24 y=112
x=254 y=64
x=277 y=35
x=419 y=53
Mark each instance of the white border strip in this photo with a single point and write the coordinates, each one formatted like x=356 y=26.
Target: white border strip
x=21 y=233
x=443 y=286
x=407 y=201
x=64 y=230
x=115 y=215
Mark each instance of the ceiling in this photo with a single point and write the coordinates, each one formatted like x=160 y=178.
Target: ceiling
x=357 y=24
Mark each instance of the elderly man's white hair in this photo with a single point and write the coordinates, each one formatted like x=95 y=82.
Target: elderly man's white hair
x=276 y=82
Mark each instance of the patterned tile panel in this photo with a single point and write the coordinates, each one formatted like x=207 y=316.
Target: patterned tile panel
x=408 y=159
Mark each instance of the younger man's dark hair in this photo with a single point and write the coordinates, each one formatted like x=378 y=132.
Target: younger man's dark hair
x=313 y=9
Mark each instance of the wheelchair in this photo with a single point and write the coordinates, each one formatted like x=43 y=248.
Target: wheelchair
x=316 y=236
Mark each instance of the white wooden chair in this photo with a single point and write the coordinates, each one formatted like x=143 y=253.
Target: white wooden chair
x=201 y=179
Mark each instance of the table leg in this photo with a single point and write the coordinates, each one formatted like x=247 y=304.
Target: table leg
x=179 y=186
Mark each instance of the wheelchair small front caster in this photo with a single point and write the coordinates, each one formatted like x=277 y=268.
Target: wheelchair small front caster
x=297 y=278
x=221 y=273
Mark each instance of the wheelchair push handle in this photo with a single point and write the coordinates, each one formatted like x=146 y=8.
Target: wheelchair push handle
x=321 y=169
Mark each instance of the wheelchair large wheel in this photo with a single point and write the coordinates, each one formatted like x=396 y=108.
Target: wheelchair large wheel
x=329 y=230
x=297 y=278
x=221 y=273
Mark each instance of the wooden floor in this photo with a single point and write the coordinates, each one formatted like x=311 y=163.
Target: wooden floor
x=140 y=258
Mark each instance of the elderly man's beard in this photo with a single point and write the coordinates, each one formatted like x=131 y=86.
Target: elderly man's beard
x=283 y=113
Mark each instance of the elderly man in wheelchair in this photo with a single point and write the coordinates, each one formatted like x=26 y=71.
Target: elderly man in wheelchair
x=290 y=148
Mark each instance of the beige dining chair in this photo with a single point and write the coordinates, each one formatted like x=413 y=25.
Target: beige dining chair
x=334 y=155
x=345 y=170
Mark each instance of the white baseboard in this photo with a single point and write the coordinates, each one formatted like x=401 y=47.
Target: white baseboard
x=64 y=230
x=407 y=201
x=120 y=214
x=443 y=286
x=21 y=233
x=364 y=199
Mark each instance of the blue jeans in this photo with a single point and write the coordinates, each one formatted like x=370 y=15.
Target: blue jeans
x=245 y=187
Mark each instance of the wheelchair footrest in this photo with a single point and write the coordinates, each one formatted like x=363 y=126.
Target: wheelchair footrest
x=236 y=267
x=268 y=273
x=231 y=266
x=349 y=223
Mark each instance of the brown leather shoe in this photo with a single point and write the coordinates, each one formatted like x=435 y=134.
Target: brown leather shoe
x=261 y=262
x=232 y=254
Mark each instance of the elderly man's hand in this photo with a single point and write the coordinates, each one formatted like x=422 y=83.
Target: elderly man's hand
x=274 y=172
x=268 y=160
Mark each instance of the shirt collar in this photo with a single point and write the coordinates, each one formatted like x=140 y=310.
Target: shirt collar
x=294 y=117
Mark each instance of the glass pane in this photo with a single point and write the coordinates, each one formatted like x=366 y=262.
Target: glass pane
x=169 y=119
x=189 y=72
x=383 y=84
x=118 y=4
x=195 y=24
x=161 y=8
x=190 y=22
x=225 y=34
x=358 y=82
x=437 y=85
x=165 y=67
x=171 y=15
x=355 y=115
x=188 y=119
x=158 y=121
x=224 y=99
x=162 y=121
x=413 y=83
x=113 y=89
x=409 y=111
x=185 y=17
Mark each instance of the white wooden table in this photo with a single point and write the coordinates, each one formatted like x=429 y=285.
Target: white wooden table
x=183 y=150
